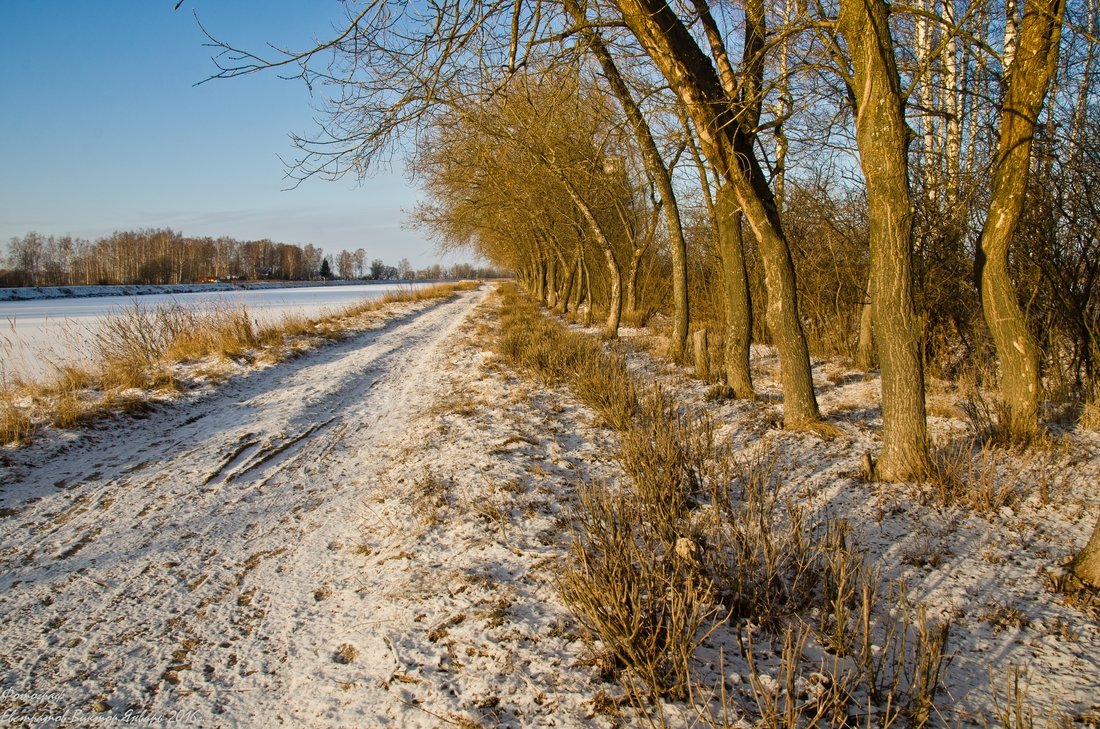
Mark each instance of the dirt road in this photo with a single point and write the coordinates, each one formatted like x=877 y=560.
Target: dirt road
x=232 y=561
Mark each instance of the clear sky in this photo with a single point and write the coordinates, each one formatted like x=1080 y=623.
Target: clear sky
x=102 y=128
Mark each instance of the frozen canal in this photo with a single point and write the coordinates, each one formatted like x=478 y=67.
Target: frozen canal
x=39 y=335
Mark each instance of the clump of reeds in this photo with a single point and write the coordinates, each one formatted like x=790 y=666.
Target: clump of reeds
x=16 y=427
x=134 y=347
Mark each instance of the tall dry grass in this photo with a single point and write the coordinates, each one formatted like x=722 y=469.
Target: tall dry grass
x=16 y=427
x=135 y=348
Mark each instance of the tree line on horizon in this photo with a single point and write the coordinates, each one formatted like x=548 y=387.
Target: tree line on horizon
x=164 y=256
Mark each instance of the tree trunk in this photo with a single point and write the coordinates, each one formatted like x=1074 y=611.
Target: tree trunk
x=784 y=324
x=615 y=313
x=952 y=143
x=882 y=136
x=692 y=77
x=655 y=164
x=552 y=284
x=567 y=286
x=865 y=348
x=1036 y=54
x=1012 y=30
x=540 y=280
x=587 y=292
x=631 y=304
x=702 y=355
x=615 y=306
x=1086 y=565
x=738 y=302
x=579 y=267
x=923 y=39
x=784 y=107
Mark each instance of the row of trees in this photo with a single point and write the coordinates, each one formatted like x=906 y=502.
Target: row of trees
x=153 y=256
x=163 y=256
x=910 y=183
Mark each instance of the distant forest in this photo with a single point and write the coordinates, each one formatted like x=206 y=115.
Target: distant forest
x=164 y=256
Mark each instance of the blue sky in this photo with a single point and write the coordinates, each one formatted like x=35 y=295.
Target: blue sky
x=102 y=128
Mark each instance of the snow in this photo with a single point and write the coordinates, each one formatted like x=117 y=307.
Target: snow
x=990 y=574
x=45 y=329
x=369 y=535
x=213 y=559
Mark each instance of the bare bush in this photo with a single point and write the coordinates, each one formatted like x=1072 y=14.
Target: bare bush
x=665 y=453
x=642 y=599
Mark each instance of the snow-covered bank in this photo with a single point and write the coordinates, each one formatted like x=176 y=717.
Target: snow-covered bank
x=986 y=563
x=62 y=292
x=41 y=336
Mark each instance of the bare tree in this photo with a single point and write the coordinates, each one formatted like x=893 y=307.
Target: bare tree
x=711 y=97
x=397 y=68
x=345 y=265
x=404 y=270
x=655 y=166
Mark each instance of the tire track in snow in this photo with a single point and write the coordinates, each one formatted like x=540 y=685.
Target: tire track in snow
x=173 y=559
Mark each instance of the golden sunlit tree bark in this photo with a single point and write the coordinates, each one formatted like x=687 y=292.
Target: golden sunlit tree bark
x=726 y=224
x=1086 y=565
x=1032 y=62
x=882 y=135
x=729 y=145
x=736 y=295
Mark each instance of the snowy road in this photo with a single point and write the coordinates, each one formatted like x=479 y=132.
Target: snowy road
x=189 y=513
x=209 y=563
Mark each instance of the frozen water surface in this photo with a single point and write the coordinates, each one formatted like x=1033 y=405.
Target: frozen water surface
x=38 y=335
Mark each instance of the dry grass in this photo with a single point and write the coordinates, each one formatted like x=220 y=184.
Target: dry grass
x=985 y=415
x=1013 y=710
x=964 y=474
x=939 y=408
x=16 y=427
x=138 y=353
x=346 y=653
x=695 y=541
x=555 y=356
x=1090 y=410
x=430 y=496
